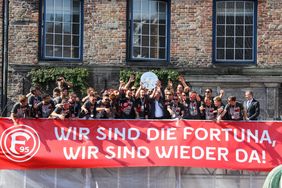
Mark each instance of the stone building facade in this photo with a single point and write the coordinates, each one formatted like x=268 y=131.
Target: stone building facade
x=190 y=44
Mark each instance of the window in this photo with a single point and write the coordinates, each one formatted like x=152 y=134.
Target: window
x=62 y=30
x=148 y=33
x=234 y=31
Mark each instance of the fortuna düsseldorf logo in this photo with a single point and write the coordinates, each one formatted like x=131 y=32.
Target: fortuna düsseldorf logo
x=20 y=143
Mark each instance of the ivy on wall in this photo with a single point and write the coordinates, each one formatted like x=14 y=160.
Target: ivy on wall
x=163 y=75
x=46 y=78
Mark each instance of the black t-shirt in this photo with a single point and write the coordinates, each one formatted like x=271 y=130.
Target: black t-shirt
x=191 y=109
x=21 y=111
x=44 y=110
x=60 y=110
x=234 y=112
x=91 y=108
x=142 y=107
x=75 y=109
x=126 y=108
x=103 y=114
x=208 y=112
x=176 y=108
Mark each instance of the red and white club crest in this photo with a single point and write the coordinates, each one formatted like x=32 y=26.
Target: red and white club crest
x=20 y=143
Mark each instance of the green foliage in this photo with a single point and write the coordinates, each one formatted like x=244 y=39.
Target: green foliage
x=163 y=74
x=46 y=77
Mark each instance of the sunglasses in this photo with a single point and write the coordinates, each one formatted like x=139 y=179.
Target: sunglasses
x=207 y=91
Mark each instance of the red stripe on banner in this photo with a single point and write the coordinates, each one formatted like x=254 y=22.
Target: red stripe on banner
x=44 y=143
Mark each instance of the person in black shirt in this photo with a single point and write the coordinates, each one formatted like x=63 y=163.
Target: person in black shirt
x=34 y=99
x=104 y=108
x=75 y=106
x=63 y=84
x=20 y=109
x=62 y=111
x=175 y=108
x=207 y=109
x=45 y=107
x=88 y=109
x=233 y=110
x=219 y=108
x=191 y=110
x=126 y=106
x=141 y=104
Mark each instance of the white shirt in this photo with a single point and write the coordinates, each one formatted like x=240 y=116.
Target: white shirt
x=158 y=110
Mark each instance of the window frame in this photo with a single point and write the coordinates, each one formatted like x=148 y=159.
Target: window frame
x=214 y=48
x=129 y=36
x=42 y=41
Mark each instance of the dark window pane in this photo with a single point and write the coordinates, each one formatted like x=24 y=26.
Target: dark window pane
x=162 y=30
x=220 y=30
x=75 y=40
x=58 y=39
x=249 y=20
x=230 y=6
x=67 y=28
x=220 y=42
x=136 y=52
x=239 y=6
x=162 y=7
x=154 y=53
x=75 y=53
x=145 y=40
x=75 y=18
x=248 y=54
x=248 y=42
x=58 y=27
x=239 y=54
x=75 y=28
x=154 y=41
x=162 y=18
x=145 y=52
x=229 y=54
x=239 y=30
x=76 y=5
x=162 y=42
x=49 y=39
x=229 y=42
x=49 y=27
x=249 y=7
x=220 y=54
x=220 y=20
x=67 y=52
x=220 y=6
x=239 y=19
x=249 y=31
x=229 y=30
x=67 y=40
x=230 y=20
x=145 y=29
x=154 y=29
x=239 y=42
x=58 y=51
x=49 y=51
x=162 y=53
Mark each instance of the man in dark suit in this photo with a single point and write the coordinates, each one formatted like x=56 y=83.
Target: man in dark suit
x=252 y=106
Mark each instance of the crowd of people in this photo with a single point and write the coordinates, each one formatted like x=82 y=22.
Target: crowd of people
x=126 y=102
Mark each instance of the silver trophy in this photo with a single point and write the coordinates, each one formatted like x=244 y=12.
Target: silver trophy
x=149 y=80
